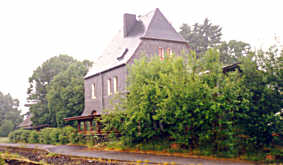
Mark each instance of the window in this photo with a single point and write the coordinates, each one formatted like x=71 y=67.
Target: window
x=161 y=53
x=109 y=87
x=169 y=52
x=93 y=91
x=115 y=84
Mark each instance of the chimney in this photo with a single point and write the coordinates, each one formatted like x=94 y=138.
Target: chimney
x=129 y=22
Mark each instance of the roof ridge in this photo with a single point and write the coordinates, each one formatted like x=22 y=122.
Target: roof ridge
x=150 y=23
x=172 y=29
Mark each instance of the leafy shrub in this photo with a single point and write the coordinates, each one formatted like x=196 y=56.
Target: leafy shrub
x=15 y=136
x=68 y=134
x=192 y=102
x=54 y=135
x=33 y=137
x=44 y=136
x=25 y=136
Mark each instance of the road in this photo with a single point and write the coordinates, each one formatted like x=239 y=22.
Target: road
x=122 y=156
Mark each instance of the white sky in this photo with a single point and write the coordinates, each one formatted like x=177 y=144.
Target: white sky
x=31 y=31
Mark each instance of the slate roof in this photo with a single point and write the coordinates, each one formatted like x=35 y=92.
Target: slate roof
x=27 y=123
x=150 y=26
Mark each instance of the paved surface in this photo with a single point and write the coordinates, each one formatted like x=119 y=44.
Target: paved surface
x=123 y=156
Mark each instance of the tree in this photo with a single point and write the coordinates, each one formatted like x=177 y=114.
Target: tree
x=193 y=102
x=263 y=79
x=9 y=114
x=173 y=99
x=39 y=84
x=232 y=51
x=201 y=37
x=66 y=93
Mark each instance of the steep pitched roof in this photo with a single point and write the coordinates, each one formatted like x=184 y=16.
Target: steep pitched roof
x=27 y=123
x=150 y=26
x=160 y=28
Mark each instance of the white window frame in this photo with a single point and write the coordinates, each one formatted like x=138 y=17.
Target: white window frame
x=169 y=52
x=109 y=87
x=115 y=81
x=161 y=53
x=93 y=91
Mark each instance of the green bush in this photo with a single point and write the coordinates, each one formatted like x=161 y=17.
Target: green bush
x=192 y=102
x=33 y=137
x=54 y=135
x=25 y=136
x=15 y=136
x=68 y=134
x=46 y=136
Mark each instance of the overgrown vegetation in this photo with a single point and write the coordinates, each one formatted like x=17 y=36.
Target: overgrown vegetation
x=56 y=90
x=63 y=135
x=9 y=114
x=192 y=103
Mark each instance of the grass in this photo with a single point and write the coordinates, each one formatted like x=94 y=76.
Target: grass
x=21 y=159
x=4 y=140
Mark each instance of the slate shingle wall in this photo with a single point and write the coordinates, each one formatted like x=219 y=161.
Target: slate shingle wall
x=102 y=100
x=150 y=48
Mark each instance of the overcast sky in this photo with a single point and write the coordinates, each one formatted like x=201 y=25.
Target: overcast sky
x=31 y=31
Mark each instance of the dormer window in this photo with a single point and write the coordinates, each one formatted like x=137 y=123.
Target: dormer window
x=161 y=53
x=109 y=87
x=93 y=91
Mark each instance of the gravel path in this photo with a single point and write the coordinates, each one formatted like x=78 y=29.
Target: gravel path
x=123 y=156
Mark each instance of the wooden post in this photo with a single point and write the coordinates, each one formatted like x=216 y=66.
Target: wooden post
x=79 y=125
x=90 y=123
x=97 y=127
x=85 y=126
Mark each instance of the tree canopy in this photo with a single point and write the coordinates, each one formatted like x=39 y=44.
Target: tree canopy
x=202 y=36
x=10 y=116
x=193 y=102
x=47 y=82
x=66 y=94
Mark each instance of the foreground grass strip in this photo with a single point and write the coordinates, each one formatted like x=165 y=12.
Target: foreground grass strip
x=4 y=140
x=18 y=158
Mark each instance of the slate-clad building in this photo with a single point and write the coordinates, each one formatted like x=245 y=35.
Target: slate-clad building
x=149 y=35
x=146 y=35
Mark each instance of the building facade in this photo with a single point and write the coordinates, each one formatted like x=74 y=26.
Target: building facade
x=146 y=35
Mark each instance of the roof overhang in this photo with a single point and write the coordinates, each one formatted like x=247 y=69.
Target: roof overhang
x=89 y=117
x=164 y=39
x=103 y=71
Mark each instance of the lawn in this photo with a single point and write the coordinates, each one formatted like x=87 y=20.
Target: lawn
x=4 y=139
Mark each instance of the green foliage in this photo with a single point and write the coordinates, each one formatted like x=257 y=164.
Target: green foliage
x=57 y=82
x=68 y=134
x=15 y=136
x=33 y=137
x=9 y=114
x=66 y=94
x=263 y=78
x=192 y=102
x=203 y=36
x=233 y=51
x=24 y=136
x=2 y=161
x=46 y=136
